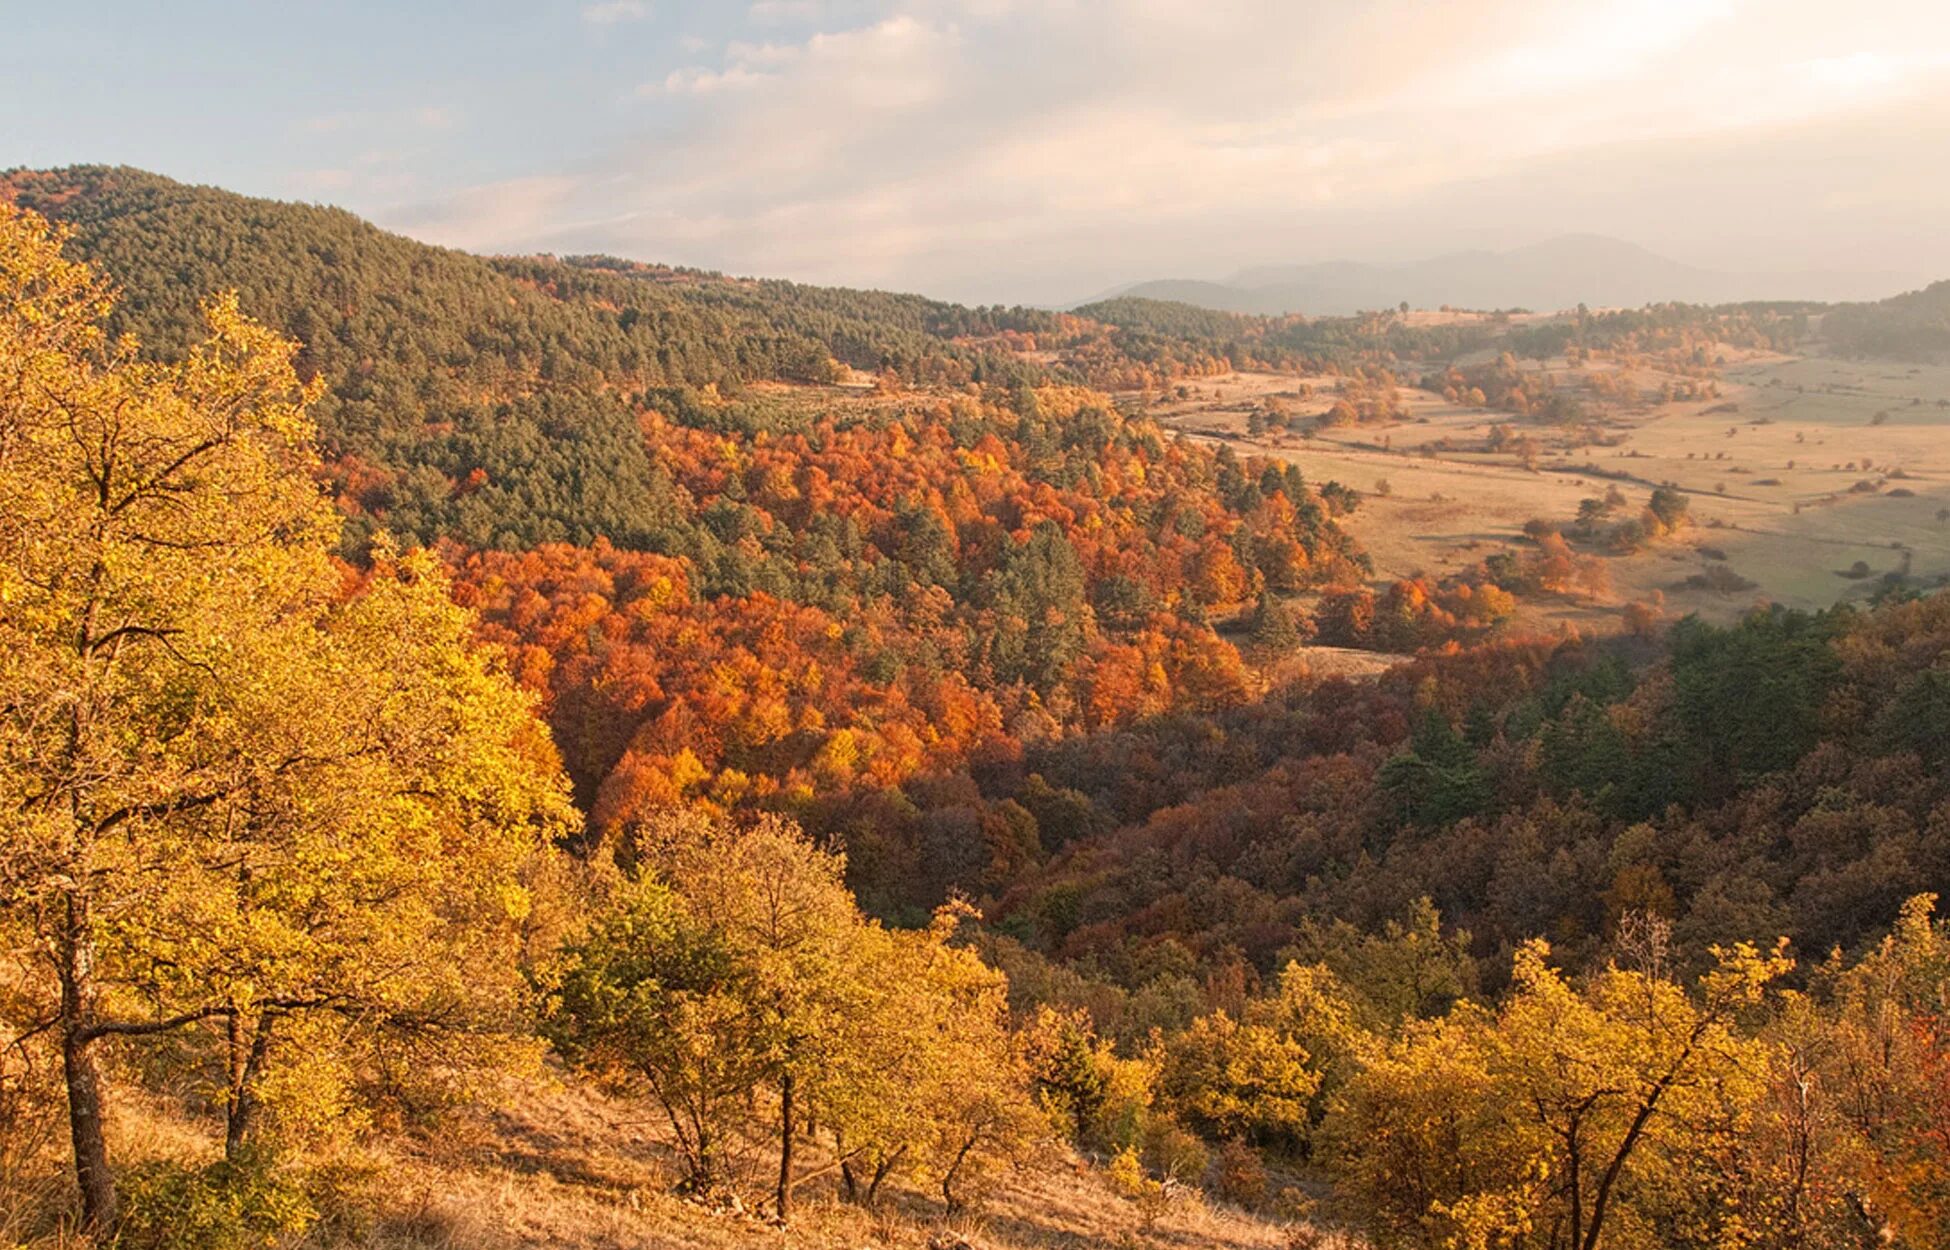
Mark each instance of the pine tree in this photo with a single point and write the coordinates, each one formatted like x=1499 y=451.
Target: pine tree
x=1276 y=626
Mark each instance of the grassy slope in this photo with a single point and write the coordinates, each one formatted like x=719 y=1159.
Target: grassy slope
x=562 y=1166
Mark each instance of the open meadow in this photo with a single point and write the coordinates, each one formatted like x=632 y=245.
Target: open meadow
x=1811 y=477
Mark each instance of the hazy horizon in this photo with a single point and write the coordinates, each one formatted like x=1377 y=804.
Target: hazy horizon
x=997 y=151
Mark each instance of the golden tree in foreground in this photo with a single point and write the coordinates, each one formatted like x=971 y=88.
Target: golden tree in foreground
x=238 y=796
x=735 y=982
x=1576 y=1115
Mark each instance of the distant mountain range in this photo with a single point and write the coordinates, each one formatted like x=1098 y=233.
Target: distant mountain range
x=1557 y=273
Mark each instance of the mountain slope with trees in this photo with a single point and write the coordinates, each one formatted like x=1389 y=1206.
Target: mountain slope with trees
x=897 y=827
x=1912 y=326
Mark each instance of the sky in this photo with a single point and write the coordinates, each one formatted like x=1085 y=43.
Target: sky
x=1032 y=151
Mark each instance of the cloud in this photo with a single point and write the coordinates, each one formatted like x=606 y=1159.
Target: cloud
x=514 y=214
x=1597 y=43
x=374 y=174
x=787 y=12
x=698 y=80
x=610 y=12
x=1002 y=149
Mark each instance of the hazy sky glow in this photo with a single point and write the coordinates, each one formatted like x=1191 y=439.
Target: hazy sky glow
x=1032 y=150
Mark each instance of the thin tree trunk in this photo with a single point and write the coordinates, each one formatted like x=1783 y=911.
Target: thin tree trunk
x=1645 y=1113
x=705 y=1180
x=881 y=1171
x=949 y=1177
x=100 y=1206
x=244 y=1107
x=785 y=1145
x=1577 y=1192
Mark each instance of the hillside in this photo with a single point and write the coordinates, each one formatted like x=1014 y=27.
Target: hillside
x=439 y=364
x=1912 y=326
x=858 y=585
x=917 y=615
x=550 y=1162
x=914 y=805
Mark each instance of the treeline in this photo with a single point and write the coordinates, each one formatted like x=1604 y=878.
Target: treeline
x=1153 y=329
x=1912 y=326
x=1678 y=332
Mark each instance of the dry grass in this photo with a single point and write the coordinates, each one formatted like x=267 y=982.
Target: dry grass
x=1772 y=467
x=565 y=1167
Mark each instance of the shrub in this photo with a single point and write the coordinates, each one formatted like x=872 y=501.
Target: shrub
x=252 y=1205
x=1276 y=626
x=1175 y=1154
x=1228 y=1079
x=1242 y=1177
x=1150 y=1197
x=1720 y=579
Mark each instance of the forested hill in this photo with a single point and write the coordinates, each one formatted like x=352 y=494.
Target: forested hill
x=733 y=582
x=349 y=290
x=438 y=363
x=1913 y=326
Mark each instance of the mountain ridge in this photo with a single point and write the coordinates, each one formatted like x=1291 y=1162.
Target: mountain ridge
x=1554 y=273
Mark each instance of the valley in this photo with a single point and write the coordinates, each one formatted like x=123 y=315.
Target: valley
x=1809 y=476
x=597 y=652
x=535 y=751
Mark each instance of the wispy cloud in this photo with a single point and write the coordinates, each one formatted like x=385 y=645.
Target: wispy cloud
x=610 y=12
x=697 y=80
x=990 y=148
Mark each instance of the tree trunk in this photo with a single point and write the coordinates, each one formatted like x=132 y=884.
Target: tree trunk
x=1603 y=1196
x=242 y=1109
x=704 y=1179
x=1576 y=1170
x=100 y=1206
x=949 y=1177
x=881 y=1171
x=785 y=1145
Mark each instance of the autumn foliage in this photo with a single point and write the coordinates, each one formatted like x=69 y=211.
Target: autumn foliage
x=885 y=799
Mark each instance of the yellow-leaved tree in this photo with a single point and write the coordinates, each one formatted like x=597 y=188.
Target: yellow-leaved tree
x=1869 y=1120
x=734 y=981
x=940 y=1085
x=1601 y=1113
x=1240 y=1080
x=246 y=797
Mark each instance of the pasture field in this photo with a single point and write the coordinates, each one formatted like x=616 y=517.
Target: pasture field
x=1809 y=476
